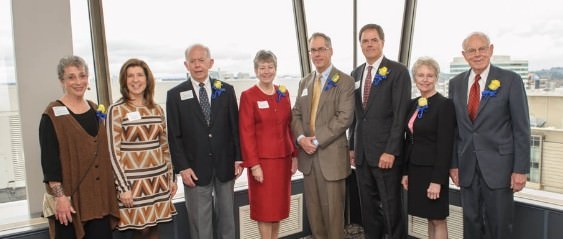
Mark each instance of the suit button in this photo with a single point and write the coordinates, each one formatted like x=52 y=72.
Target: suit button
x=210 y=135
x=98 y=178
x=210 y=154
x=96 y=166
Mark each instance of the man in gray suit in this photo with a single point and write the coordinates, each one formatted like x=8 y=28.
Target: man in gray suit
x=322 y=113
x=492 y=155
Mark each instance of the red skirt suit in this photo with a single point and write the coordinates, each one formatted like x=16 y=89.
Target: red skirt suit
x=265 y=136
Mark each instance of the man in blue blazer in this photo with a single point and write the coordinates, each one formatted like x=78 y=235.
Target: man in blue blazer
x=204 y=144
x=382 y=94
x=492 y=155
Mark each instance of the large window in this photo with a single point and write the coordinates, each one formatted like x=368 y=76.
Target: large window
x=159 y=33
x=525 y=41
x=387 y=14
x=333 y=18
x=536 y=142
x=82 y=42
x=12 y=169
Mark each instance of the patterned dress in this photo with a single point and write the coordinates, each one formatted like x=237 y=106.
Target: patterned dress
x=141 y=163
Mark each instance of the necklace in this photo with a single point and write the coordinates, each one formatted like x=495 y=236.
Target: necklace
x=269 y=91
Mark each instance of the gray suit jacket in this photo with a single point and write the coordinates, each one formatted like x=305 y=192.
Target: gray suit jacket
x=498 y=142
x=334 y=115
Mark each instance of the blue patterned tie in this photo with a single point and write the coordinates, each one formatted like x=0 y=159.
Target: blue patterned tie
x=204 y=103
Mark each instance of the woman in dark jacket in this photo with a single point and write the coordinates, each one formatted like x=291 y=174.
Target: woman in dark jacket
x=428 y=149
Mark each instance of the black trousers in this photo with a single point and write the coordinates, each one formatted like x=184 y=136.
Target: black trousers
x=94 y=229
x=380 y=199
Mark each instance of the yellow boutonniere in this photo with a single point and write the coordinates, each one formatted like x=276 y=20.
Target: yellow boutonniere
x=218 y=84
x=422 y=101
x=282 y=89
x=382 y=71
x=494 y=85
x=101 y=108
x=380 y=76
x=281 y=92
x=332 y=82
x=101 y=112
x=217 y=89
x=422 y=106
x=492 y=89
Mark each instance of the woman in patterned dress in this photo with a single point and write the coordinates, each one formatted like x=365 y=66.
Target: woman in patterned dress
x=267 y=146
x=139 y=153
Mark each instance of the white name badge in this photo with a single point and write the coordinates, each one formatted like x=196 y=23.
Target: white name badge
x=60 y=110
x=357 y=85
x=186 y=95
x=304 y=93
x=263 y=105
x=132 y=116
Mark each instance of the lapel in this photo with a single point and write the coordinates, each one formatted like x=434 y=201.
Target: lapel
x=327 y=93
x=464 y=93
x=483 y=101
x=214 y=102
x=360 y=81
x=193 y=104
x=309 y=87
x=372 y=91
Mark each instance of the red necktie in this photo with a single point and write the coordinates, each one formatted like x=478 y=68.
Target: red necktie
x=473 y=102
x=367 y=87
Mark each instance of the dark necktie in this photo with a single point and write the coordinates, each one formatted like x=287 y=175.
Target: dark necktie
x=367 y=87
x=204 y=103
x=473 y=102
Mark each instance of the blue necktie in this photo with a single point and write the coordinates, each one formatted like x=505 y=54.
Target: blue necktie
x=204 y=103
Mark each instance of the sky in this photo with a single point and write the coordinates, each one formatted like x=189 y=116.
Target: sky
x=159 y=31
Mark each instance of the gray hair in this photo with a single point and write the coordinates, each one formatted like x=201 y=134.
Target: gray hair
x=328 y=42
x=197 y=45
x=426 y=61
x=67 y=61
x=475 y=34
x=265 y=56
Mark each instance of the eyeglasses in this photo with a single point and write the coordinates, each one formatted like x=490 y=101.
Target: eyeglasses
x=320 y=50
x=73 y=77
x=473 y=51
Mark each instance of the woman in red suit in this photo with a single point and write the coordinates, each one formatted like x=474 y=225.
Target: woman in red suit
x=267 y=146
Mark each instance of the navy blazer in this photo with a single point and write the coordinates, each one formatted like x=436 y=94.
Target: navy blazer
x=208 y=150
x=379 y=128
x=431 y=143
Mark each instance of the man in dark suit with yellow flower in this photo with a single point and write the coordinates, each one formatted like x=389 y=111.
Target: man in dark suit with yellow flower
x=492 y=155
x=204 y=145
x=383 y=91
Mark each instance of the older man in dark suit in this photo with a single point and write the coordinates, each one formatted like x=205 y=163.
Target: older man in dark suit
x=493 y=145
x=383 y=91
x=322 y=113
x=204 y=144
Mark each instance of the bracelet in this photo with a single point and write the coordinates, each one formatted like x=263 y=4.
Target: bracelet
x=57 y=190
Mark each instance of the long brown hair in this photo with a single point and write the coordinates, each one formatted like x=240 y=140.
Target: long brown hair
x=148 y=95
